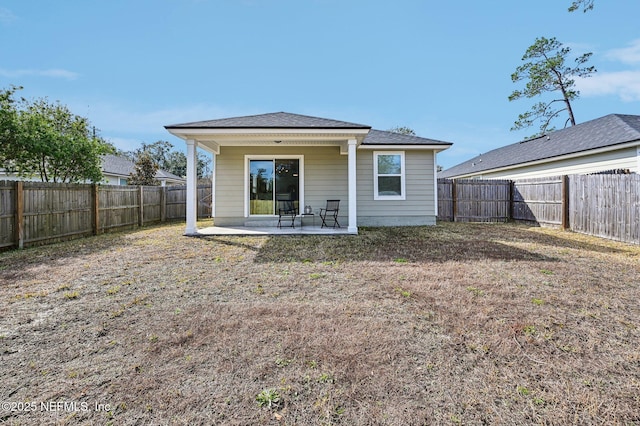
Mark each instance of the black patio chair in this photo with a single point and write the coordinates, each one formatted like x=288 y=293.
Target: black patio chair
x=330 y=212
x=287 y=209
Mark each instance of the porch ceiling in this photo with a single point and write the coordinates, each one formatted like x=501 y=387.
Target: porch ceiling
x=212 y=139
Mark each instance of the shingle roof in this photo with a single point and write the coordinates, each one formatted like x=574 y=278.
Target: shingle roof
x=163 y=174
x=381 y=137
x=117 y=165
x=285 y=120
x=281 y=120
x=607 y=131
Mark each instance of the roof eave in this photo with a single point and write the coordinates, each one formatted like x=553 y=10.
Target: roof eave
x=408 y=147
x=227 y=128
x=577 y=154
x=185 y=132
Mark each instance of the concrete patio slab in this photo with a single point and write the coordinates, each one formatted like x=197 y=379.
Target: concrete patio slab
x=251 y=230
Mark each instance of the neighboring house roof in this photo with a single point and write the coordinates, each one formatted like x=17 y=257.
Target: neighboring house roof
x=163 y=174
x=275 y=120
x=116 y=165
x=605 y=132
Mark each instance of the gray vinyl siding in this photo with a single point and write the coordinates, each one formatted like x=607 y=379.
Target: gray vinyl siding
x=326 y=177
x=229 y=191
x=419 y=205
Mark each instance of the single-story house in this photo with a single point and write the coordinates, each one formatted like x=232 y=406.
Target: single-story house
x=116 y=170
x=611 y=142
x=381 y=178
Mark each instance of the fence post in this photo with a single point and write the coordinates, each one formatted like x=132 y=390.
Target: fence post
x=454 y=199
x=141 y=202
x=96 y=209
x=565 y=202
x=19 y=230
x=163 y=204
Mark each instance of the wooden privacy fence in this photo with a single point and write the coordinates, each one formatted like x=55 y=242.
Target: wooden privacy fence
x=474 y=200
x=605 y=205
x=543 y=201
x=38 y=213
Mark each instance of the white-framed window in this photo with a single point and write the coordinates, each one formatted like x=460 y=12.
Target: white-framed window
x=388 y=175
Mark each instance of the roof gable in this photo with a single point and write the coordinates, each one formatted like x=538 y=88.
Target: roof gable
x=607 y=131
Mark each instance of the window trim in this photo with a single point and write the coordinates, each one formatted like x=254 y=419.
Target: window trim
x=402 y=175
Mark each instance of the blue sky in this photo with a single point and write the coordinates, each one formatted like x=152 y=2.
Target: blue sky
x=441 y=68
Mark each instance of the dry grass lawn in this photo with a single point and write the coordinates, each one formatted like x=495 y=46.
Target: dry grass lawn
x=453 y=324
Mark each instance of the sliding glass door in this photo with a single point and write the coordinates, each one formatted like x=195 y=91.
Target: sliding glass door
x=271 y=180
x=261 y=187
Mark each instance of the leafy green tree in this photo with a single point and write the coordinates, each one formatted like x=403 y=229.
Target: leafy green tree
x=159 y=152
x=403 y=130
x=203 y=167
x=176 y=163
x=546 y=72
x=8 y=126
x=47 y=140
x=172 y=161
x=145 y=171
x=586 y=5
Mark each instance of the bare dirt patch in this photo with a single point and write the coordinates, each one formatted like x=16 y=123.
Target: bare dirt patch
x=452 y=324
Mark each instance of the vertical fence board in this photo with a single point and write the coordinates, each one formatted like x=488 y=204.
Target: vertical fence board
x=8 y=221
x=19 y=227
x=95 y=199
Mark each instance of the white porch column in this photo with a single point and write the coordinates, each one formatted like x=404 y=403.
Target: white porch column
x=213 y=184
x=192 y=187
x=353 y=211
